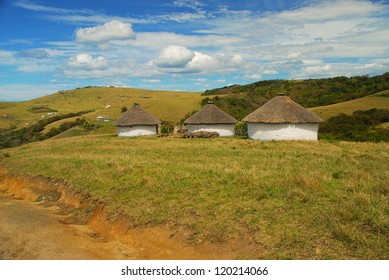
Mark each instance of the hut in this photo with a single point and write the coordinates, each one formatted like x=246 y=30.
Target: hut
x=212 y=119
x=99 y=118
x=137 y=122
x=282 y=119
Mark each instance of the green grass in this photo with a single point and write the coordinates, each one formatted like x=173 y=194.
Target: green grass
x=379 y=100
x=298 y=200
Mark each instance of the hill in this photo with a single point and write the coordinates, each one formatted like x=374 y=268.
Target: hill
x=167 y=105
x=240 y=100
x=265 y=199
x=173 y=107
x=378 y=100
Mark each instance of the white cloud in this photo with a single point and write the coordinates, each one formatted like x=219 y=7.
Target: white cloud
x=193 y=4
x=370 y=65
x=28 y=5
x=114 y=30
x=151 y=80
x=6 y=58
x=269 y=72
x=253 y=77
x=201 y=62
x=329 y=10
x=314 y=70
x=86 y=61
x=174 y=56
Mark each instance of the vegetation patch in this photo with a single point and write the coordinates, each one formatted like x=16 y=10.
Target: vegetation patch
x=33 y=132
x=41 y=109
x=361 y=126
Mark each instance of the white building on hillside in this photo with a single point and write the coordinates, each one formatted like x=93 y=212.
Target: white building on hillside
x=212 y=119
x=137 y=122
x=282 y=119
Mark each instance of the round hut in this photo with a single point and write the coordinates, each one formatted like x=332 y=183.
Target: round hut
x=137 y=122
x=282 y=119
x=212 y=119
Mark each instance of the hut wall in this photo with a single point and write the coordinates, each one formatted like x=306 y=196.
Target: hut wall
x=282 y=131
x=222 y=129
x=137 y=130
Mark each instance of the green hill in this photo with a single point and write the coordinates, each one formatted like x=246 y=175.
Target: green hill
x=378 y=100
x=239 y=100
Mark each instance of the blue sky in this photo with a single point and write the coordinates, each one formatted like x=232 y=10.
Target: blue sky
x=46 y=46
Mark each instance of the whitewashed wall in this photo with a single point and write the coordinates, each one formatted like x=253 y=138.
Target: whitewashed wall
x=222 y=129
x=136 y=130
x=282 y=131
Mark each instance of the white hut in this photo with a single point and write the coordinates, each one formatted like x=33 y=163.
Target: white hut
x=212 y=119
x=137 y=122
x=282 y=119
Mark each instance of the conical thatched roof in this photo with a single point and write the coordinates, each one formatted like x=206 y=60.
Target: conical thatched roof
x=136 y=116
x=282 y=109
x=210 y=114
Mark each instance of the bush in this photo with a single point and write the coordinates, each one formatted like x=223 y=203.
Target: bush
x=241 y=129
x=361 y=126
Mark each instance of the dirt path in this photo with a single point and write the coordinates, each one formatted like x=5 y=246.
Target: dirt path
x=69 y=230
x=29 y=231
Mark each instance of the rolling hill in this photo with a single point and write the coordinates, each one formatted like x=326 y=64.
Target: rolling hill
x=167 y=105
x=378 y=100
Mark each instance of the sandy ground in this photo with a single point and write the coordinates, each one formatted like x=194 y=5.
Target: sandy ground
x=29 y=231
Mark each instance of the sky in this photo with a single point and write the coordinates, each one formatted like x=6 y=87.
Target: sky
x=189 y=45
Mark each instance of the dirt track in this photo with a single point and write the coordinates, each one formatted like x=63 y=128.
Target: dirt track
x=60 y=227
x=29 y=231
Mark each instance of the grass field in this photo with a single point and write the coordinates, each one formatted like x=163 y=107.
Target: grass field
x=379 y=100
x=288 y=200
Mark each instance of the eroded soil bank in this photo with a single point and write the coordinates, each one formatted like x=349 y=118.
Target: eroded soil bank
x=41 y=218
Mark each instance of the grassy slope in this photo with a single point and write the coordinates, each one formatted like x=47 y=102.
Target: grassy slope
x=379 y=100
x=166 y=105
x=300 y=200
x=169 y=106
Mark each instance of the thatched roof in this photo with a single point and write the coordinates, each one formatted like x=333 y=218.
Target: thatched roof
x=136 y=116
x=210 y=114
x=282 y=109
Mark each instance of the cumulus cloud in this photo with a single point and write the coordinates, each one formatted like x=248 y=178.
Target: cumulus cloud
x=179 y=59
x=113 y=30
x=86 y=61
x=174 y=56
x=201 y=62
